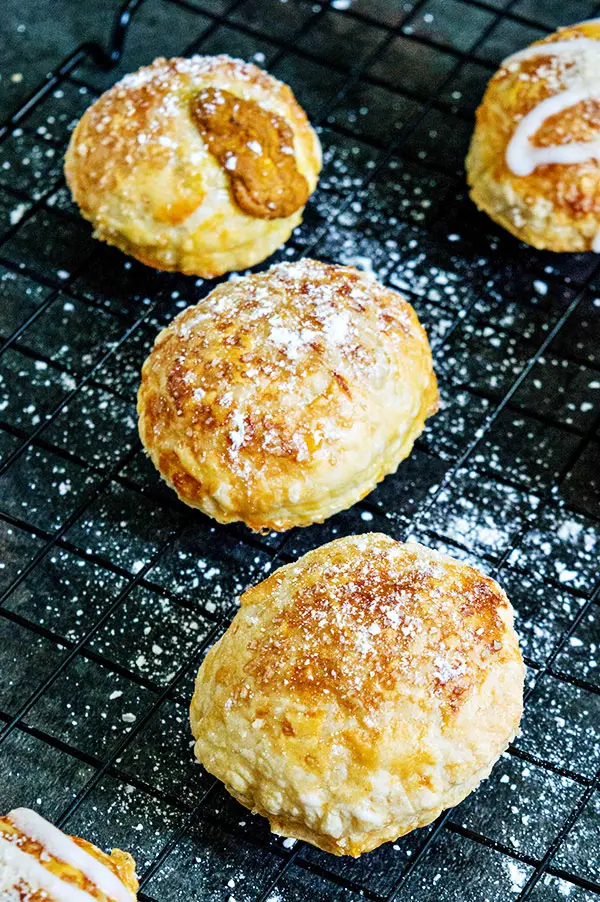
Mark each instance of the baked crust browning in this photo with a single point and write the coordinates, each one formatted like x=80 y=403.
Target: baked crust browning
x=344 y=603
x=120 y=863
x=557 y=206
x=141 y=171
x=360 y=691
x=257 y=150
x=286 y=396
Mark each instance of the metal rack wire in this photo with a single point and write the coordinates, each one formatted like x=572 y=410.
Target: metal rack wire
x=93 y=718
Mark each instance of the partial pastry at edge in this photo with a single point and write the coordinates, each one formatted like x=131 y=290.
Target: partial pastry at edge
x=360 y=691
x=534 y=161
x=199 y=165
x=284 y=397
x=39 y=863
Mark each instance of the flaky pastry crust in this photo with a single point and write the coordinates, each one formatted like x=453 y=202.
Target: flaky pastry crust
x=140 y=166
x=557 y=206
x=284 y=397
x=16 y=887
x=360 y=691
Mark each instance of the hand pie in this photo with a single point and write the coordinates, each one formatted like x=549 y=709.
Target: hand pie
x=200 y=165
x=284 y=397
x=534 y=161
x=39 y=863
x=360 y=691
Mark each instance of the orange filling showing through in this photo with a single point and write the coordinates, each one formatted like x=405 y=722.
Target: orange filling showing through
x=256 y=149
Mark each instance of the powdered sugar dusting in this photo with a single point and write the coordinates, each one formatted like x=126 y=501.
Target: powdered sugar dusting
x=195 y=66
x=151 y=107
x=570 y=71
x=281 y=340
x=373 y=614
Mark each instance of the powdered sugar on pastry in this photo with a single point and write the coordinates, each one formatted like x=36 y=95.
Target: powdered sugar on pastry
x=18 y=868
x=534 y=160
x=574 y=68
x=61 y=846
x=166 y=164
x=285 y=396
x=37 y=858
x=359 y=691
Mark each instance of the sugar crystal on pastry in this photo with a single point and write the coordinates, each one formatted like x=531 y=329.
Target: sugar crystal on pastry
x=200 y=165
x=360 y=691
x=40 y=863
x=284 y=397
x=534 y=160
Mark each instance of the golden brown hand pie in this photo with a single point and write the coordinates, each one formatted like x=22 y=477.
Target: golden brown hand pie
x=360 y=691
x=39 y=863
x=283 y=397
x=200 y=165
x=534 y=161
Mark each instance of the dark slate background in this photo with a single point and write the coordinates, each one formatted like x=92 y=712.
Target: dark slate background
x=35 y=35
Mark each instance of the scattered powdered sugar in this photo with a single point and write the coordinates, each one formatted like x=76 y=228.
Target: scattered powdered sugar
x=17 y=213
x=288 y=339
x=518 y=876
x=448 y=670
x=157 y=91
x=564 y=67
x=310 y=328
x=337 y=326
x=560 y=547
x=237 y=433
x=193 y=66
x=563 y=547
x=381 y=613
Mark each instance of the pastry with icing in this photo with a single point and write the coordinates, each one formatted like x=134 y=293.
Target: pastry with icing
x=534 y=160
x=40 y=863
x=200 y=165
x=360 y=691
x=284 y=397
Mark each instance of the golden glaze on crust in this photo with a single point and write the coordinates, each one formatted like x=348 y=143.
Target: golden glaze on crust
x=360 y=691
x=284 y=397
x=141 y=172
x=557 y=206
x=120 y=863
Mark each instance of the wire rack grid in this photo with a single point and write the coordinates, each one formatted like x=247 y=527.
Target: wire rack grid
x=112 y=592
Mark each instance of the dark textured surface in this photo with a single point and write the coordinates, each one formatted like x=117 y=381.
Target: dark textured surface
x=112 y=591
x=36 y=35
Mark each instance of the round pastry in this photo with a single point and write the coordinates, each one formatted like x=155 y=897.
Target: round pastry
x=39 y=862
x=534 y=160
x=200 y=165
x=284 y=397
x=360 y=691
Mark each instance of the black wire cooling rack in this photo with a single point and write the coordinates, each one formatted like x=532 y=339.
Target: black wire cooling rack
x=112 y=590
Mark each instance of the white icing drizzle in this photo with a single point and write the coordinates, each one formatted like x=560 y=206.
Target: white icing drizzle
x=596 y=243
x=582 y=83
x=60 y=846
x=522 y=158
x=18 y=867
